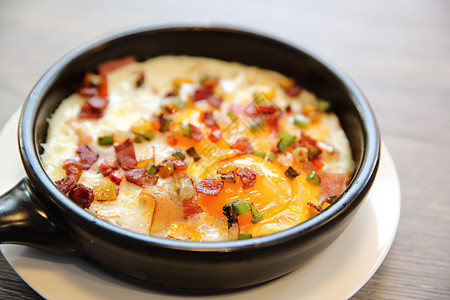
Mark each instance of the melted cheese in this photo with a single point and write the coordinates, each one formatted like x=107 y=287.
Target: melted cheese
x=281 y=201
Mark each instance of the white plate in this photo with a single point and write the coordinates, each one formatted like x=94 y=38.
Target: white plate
x=337 y=273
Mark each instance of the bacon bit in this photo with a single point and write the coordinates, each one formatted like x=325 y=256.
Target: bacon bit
x=66 y=184
x=290 y=87
x=215 y=101
x=209 y=186
x=81 y=195
x=331 y=183
x=140 y=177
x=94 y=85
x=179 y=164
x=207 y=118
x=242 y=144
x=88 y=91
x=73 y=168
x=87 y=156
x=196 y=133
x=247 y=176
x=171 y=140
x=318 y=208
x=190 y=207
x=125 y=155
x=294 y=91
x=215 y=135
x=116 y=177
x=107 y=166
x=205 y=90
x=191 y=210
x=93 y=108
x=111 y=65
x=310 y=143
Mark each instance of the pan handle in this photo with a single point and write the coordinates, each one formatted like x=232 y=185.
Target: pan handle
x=23 y=221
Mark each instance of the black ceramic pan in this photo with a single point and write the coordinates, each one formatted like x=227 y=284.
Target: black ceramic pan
x=37 y=214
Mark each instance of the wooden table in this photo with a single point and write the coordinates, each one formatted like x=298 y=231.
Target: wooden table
x=397 y=51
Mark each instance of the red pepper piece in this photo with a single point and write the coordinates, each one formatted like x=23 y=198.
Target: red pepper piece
x=116 y=177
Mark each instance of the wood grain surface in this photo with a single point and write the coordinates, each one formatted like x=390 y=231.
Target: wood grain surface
x=397 y=51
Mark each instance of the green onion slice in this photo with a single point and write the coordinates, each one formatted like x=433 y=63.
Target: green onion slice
x=259 y=153
x=313 y=177
x=151 y=168
x=241 y=207
x=147 y=135
x=286 y=139
x=245 y=236
x=301 y=121
x=177 y=153
x=273 y=156
x=166 y=124
x=231 y=115
x=256 y=214
x=186 y=130
x=105 y=140
x=323 y=105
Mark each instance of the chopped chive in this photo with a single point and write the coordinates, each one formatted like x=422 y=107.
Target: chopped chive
x=147 y=135
x=256 y=214
x=291 y=173
x=323 y=105
x=105 y=140
x=186 y=130
x=313 y=177
x=333 y=198
x=231 y=115
x=193 y=153
x=179 y=154
x=241 y=207
x=286 y=139
x=228 y=177
x=301 y=121
x=259 y=153
x=245 y=236
x=151 y=168
x=273 y=156
x=137 y=139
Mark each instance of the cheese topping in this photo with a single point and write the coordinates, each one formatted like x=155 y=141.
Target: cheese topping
x=197 y=149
